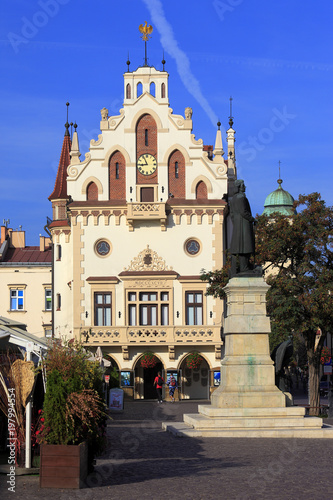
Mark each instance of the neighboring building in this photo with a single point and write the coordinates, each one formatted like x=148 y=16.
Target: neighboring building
x=279 y=201
x=133 y=225
x=26 y=282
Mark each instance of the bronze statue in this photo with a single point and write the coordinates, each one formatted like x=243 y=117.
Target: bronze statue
x=242 y=241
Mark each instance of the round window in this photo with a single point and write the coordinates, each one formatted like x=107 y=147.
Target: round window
x=103 y=248
x=192 y=247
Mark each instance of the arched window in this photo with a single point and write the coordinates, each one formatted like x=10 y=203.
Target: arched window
x=201 y=190
x=128 y=91
x=163 y=90
x=117 y=177
x=176 y=174
x=139 y=89
x=152 y=89
x=146 y=137
x=92 y=191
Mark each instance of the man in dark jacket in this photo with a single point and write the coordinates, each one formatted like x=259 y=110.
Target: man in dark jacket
x=242 y=241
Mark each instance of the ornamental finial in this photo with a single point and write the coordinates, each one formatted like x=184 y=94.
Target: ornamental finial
x=146 y=31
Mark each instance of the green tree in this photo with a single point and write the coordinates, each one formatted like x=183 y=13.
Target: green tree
x=296 y=253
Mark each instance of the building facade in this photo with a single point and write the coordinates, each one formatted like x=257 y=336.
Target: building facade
x=134 y=223
x=26 y=281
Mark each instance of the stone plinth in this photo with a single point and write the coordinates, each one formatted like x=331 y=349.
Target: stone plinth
x=248 y=403
x=247 y=371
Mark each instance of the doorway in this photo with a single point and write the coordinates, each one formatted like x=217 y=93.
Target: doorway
x=147 y=194
x=149 y=374
x=195 y=382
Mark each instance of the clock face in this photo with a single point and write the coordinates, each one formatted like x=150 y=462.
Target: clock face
x=147 y=164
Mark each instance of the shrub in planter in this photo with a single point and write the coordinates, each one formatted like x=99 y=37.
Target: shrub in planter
x=74 y=409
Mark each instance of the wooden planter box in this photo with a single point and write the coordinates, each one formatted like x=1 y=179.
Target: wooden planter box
x=63 y=466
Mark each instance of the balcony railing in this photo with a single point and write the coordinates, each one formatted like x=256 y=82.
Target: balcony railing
x=150 y=335
x=146 y=211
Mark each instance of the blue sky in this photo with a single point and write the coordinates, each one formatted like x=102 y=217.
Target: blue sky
x=273 y=58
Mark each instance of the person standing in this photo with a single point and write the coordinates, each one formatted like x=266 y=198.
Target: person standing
x=158 y=383
x=172 y=383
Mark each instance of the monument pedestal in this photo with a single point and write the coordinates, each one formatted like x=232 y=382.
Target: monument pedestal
x=247 y=403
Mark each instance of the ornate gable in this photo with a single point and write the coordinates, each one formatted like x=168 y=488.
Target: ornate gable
x=148 y=260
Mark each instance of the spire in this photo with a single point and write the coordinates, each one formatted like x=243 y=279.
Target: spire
x=231 y=118
x=128 y=62
x=231 y=140
x=67 y=124
x=60 y=187
x=163 y=61
x=146 y=31
x=75 y=150
x=218 y=150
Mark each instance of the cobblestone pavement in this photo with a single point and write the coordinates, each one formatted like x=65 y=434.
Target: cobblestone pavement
x=143 y=462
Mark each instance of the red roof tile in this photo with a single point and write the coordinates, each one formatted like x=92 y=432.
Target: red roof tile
x=60 y=187
x=28 y=255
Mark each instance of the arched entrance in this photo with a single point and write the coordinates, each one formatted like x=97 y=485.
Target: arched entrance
x=195 y=382
x=144 y=380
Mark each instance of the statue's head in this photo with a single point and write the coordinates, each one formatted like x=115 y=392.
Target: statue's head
x=239 y=185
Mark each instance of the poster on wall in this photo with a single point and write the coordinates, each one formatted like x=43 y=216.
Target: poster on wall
x=217 y=377
x=125 y=379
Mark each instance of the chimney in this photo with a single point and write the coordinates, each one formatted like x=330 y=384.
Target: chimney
x=17 y=239
x=44 y=243
x=3 y=234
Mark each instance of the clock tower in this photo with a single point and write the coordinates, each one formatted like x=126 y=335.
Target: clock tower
x=145 y=212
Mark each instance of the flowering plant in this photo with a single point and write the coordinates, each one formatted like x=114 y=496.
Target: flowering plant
x=193 y=360
x=149 y=360
x=325 y=355
x=73 y=409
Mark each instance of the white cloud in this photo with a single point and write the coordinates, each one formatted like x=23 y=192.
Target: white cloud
x=170 y=45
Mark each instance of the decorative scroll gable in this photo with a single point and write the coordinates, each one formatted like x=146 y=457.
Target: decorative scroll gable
x=148 y=260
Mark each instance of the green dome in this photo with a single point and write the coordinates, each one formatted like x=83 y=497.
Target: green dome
x=279 y=201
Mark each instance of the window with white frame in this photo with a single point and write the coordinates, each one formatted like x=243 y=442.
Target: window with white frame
x=16 y=299
x=102 y=304
x=194 y=308
x=148 y=308
x=48 y=299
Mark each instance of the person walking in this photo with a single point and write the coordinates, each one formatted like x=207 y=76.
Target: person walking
x=158 y=383
x=172 y=383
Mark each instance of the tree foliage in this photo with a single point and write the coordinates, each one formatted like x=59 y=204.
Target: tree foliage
x=296 y=253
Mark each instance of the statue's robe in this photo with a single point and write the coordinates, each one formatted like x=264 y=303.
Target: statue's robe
x=242 y=241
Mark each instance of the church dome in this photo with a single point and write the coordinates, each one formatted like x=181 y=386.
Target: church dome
x=279 y=201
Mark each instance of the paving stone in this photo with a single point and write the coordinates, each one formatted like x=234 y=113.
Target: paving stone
x=144 y=462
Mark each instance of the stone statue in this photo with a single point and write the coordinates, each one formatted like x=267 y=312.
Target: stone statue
x=104 y=114
x=188 y=113
x=242 y=241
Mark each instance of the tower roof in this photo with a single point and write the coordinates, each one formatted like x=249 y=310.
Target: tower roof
x=279 y=201
x=60 y=187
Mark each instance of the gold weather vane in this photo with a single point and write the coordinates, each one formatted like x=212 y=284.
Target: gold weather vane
x=146 y=31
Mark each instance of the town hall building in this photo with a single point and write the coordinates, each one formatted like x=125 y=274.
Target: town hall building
x=135 y=220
